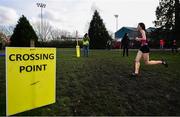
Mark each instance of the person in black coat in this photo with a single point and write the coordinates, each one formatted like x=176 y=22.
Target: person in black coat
x=125 y=44
x=174 y=46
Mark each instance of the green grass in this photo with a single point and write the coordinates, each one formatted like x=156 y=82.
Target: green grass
x=101 y=85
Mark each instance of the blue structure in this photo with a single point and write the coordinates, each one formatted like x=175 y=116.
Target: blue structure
x=150 y=29
x=132 y=32
x=2 y=54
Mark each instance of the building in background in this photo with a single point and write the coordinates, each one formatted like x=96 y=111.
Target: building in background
x=132 y=33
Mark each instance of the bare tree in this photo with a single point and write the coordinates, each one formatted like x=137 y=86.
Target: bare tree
x=44 y=31
x=37 y=29
x=47 y=32
x=65 y=35
x=7 y=30
x=55 y=34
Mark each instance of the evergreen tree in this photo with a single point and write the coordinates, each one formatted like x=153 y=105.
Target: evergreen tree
x=98 y=33
x=168 y=19
x=177 y=19
x=165 y=14
x=23 y=33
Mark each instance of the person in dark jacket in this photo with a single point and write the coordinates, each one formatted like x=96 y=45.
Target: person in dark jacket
x=125 y=44
x=174 y=46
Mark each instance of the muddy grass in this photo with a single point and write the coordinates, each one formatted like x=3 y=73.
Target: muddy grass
x=101 y=85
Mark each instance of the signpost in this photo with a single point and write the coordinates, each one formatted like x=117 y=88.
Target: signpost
x=30 y=78
x=77 y=46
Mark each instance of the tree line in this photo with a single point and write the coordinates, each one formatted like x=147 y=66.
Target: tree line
x=168 y=20
x=167 y=23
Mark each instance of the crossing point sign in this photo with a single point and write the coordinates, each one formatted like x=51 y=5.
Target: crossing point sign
x=30 y=78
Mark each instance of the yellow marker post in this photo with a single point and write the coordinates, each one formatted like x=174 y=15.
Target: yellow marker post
x=30 y=78
x=77 y=46
x=77 y=51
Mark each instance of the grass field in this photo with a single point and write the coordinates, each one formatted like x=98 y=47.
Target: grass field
x=101 y=85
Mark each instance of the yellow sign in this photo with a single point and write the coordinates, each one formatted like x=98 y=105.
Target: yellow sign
x=30 y=78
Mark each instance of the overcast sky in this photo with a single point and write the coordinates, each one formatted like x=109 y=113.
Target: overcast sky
x=74 y=15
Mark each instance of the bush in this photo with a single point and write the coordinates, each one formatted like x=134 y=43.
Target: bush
x=59 y=44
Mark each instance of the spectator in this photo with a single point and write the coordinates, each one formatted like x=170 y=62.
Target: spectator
x=161 y=42
x=125 y=44
x=174 y=46
x=86 y=45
